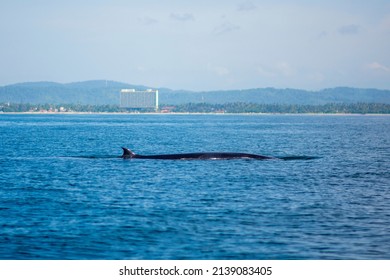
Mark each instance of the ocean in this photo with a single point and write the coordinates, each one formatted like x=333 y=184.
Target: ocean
x=65 y=193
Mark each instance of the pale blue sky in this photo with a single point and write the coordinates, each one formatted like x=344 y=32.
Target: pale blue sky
x=198 y=45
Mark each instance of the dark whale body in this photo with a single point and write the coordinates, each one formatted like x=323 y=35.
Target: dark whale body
x=128 y=154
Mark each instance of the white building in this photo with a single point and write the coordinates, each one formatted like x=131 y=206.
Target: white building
x=134 y=99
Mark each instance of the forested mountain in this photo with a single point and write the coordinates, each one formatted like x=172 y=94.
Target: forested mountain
x=101 y=92
x=280 y=96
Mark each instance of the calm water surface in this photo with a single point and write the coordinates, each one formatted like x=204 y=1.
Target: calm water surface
x=66 y=194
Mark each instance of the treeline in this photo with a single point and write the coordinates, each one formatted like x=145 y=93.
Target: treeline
x=240 y=107
x=52 y=108
x=236 y=107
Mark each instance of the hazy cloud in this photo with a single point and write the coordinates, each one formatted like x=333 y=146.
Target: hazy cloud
x=142 y=69
x=285 y=69
x=226 y=27
x=183 y=17
x=350 y=29
x=148 y=20
x=246 y=6
x=385 y=23
x=281 y=69
x=322 y=34
x=378 y=67
x=317 y=77
x=220 y=71
x=265 y=72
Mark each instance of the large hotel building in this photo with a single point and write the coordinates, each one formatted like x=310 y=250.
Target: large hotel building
x=135 y=99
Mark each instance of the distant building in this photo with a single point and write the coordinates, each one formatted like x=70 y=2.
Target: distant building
x=135 y=99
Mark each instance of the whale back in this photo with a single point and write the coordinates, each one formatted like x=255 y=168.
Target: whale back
x=128 y=154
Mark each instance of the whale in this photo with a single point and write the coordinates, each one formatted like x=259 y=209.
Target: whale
x=128 y=154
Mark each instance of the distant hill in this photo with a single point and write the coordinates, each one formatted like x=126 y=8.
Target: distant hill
x=101 y=92
x=86 y=93
x=281 y=96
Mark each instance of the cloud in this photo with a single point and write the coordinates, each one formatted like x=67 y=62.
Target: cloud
x=375 y=66
x=220 y=71
x=246 y=6
x=322 y=34
x=182 y=17
x=265 y=72
x=142 y=69
x=285 y=69
x=350 y=29
x=148 y=20
x=316 y=77
x=385 y=24
x=226 y=27
x=281 y=69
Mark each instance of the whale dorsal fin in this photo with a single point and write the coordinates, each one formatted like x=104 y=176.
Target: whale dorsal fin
x=127 y=153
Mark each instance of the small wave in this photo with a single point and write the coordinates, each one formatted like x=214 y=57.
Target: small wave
x=298 y=158
x=90 y=157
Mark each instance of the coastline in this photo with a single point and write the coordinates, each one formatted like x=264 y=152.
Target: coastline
x=190 y=113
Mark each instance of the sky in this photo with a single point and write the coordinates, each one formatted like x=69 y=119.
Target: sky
x=198 y=45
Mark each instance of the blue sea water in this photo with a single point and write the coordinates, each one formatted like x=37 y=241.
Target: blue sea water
x=66 y=194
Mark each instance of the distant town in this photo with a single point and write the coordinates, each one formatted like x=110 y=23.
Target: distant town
x=232 y=108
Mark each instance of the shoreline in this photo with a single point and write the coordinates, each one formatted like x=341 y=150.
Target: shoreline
x=192 y=113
